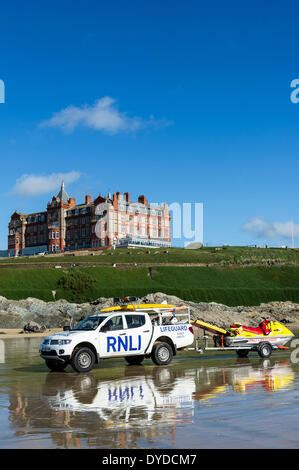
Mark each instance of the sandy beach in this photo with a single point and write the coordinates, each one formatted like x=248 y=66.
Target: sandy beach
x=13 y=333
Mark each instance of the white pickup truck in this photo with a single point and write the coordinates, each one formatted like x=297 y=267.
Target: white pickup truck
x=132 y=331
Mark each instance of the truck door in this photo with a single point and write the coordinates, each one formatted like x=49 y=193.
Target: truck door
x=139 y=332
x=112 y=337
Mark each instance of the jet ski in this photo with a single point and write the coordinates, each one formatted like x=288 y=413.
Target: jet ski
x=268 y=335
x=274 y=332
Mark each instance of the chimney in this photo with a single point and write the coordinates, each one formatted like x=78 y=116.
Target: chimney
x=127 y=197
x=87 y=199
x=142 y=200
x=115 y=202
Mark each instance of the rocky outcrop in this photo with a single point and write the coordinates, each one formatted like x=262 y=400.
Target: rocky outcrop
x=223 y=315
x=17 y=313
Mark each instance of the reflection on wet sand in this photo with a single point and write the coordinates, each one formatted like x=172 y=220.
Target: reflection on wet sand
x=270 y=376
x=145 y=405
x=139 y=402
x=71 y=406
x=2 y=351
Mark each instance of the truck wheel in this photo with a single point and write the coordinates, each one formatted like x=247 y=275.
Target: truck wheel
x=83 y=360
x=161 y=354
x=242 y=352
x=264 y=350
x=55 y=366
x=134 y=360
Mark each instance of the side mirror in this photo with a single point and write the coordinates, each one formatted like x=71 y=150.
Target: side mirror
x=66 y=328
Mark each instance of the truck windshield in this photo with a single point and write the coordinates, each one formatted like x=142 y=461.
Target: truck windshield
x=89 y=323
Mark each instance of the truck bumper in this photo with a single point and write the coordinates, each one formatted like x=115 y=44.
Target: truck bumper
x=53 y=356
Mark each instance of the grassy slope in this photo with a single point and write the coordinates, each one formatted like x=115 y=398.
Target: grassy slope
x=232 y=286
x=205 y=255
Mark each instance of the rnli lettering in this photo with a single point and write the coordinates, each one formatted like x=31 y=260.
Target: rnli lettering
x=123 y=343
x=120 y=394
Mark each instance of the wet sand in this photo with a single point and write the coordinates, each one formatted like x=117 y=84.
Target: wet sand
x=13 y=333
x=196 y=402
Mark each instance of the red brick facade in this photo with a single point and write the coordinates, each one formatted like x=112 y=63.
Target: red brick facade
x=97 y=224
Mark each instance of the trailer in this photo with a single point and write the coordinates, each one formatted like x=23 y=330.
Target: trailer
x=268 y=336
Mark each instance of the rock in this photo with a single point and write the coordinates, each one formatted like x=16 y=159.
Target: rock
x=32 y=327
x=56 y=314
x=193 y=246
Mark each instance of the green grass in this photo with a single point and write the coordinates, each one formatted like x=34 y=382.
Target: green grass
x=232 y=255
x=249 y=285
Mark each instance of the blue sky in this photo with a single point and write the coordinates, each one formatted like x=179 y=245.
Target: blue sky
x=180 y=101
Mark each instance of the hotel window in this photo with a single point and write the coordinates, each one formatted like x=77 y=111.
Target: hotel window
x=57 y=234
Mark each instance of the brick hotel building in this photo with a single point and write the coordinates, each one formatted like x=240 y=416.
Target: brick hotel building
x=99 y=224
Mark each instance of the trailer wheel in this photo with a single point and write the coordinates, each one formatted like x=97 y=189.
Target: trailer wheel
x=242 y=352
x=134 y=360
x=83 y=360
x=55 y=366
x=161 y=354
x=264 y=350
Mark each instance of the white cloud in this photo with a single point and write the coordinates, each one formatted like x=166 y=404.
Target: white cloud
x=103 y=116
x=262 y=228
x=33 y=185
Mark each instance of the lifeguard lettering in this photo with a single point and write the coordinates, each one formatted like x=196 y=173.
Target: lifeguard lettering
x=174 y=328
x=125 y=343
